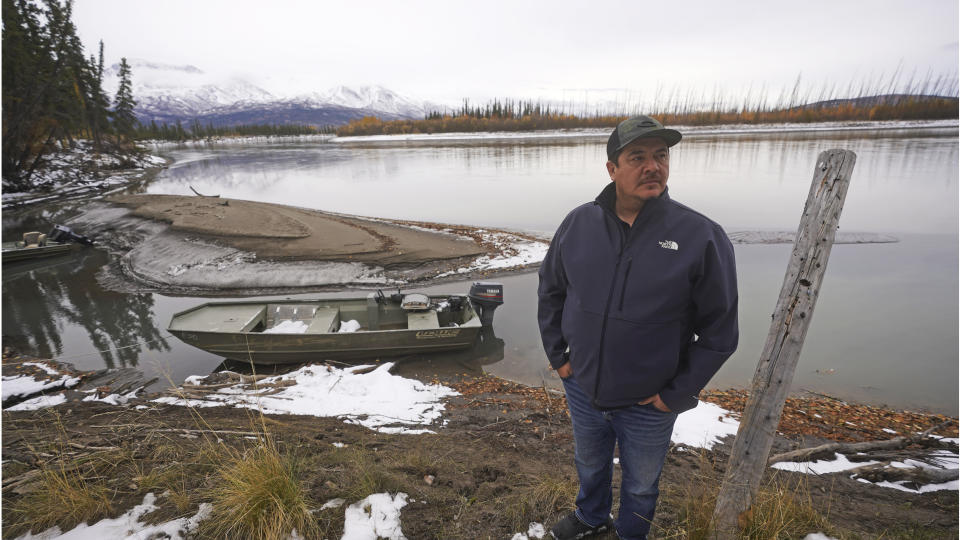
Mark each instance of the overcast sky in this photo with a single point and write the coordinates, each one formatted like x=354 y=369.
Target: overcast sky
x=560 y=49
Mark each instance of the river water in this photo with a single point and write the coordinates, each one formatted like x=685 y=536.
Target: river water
x=885 y=330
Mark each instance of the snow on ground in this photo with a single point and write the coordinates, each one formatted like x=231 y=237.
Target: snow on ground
x=374 y=518
x=128 y=526
x=39 y=402
x=514 y=251
x=535 y=530
x=703 y=426
x=114 y=399
x=840 y=463
x=378 y=400
x=252 y=139
x=78 y=171
x=818 y=536
x=25 y=385
x=377 y=516
x=942 y=459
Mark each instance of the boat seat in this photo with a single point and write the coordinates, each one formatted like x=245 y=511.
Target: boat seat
x=325 y=321
x=34 y=239
x=422 y=320
x=212 y=318
x=289 y=312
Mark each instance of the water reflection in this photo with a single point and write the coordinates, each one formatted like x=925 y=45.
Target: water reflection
x=488 y=349
x=886 y=322
x=42 y=303
x=744 y=181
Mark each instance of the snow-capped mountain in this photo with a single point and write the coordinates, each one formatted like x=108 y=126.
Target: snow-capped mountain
x=167 y=93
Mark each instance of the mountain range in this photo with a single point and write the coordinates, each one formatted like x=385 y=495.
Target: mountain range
x=167 y=93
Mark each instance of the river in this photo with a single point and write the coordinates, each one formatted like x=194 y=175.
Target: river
x=885 y=329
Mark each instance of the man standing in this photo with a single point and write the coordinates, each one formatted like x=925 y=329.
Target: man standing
x=637 y=311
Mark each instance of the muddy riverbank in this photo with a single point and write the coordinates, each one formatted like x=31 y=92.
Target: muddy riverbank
x=498 y=460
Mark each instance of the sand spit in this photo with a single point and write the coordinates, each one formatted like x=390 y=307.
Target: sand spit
x=280 y=232
x=174 y=243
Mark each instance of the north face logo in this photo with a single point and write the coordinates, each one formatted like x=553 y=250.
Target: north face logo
x=669 y=244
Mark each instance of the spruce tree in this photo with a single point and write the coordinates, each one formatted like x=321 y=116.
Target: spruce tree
x=124 y=121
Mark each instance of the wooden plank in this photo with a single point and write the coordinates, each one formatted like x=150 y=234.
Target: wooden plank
x=781 y=352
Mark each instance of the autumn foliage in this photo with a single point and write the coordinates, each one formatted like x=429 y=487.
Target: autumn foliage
x=530 y=117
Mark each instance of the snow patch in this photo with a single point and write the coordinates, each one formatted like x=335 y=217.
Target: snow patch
x=703 y=426
x=25 y=385
x=514 y=251
x=39 y=402
x=348 y=326
x=377 y=400
x=822 y=466
x=129 y=525
x=114 y=399
x=942 y=459
x=288 y=327
x=377 y=516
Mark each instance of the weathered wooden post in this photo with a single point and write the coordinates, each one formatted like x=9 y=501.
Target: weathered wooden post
x=771 y=382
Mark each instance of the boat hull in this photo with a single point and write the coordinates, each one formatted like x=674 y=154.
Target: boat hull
x=13 y=252
x=273 y=349
x=236 y=331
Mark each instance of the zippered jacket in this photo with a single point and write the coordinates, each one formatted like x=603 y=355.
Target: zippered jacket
x=639 y=310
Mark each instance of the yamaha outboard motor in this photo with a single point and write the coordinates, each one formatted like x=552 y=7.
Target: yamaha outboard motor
x=486 y=296
x=62 y=234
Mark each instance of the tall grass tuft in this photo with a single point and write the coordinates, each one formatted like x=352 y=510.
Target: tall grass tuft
x=258 y=495
x=61 y=497
x=782 y=509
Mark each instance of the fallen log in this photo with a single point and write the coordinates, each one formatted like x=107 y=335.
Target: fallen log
x=826 y=451
x=880 y=472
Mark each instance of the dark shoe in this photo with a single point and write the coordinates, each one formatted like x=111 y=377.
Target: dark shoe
x=571 y=528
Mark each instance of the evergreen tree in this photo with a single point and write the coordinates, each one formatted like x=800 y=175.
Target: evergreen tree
x=124 y=121
x=99 y=112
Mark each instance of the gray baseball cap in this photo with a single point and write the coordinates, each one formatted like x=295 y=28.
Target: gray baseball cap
x=637 y=127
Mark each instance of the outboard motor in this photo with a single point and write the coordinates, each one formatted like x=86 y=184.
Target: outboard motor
x=62 y=234
x=486 y=296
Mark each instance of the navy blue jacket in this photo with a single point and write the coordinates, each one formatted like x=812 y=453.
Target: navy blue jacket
x=643 y=309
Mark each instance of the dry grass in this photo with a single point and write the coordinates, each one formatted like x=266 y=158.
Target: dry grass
x=783 y=508
x=61 y=497
x=259 y=495
x=536 y=497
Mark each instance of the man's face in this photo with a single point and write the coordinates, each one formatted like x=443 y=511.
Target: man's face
x=641 y=170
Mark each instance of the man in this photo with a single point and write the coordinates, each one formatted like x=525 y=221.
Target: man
x=637 y=311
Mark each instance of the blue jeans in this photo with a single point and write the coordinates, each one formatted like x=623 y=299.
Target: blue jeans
x=643 y=434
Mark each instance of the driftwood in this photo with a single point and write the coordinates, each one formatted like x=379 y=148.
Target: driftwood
x=826 y=451
x=201 y=194
x=880 y=472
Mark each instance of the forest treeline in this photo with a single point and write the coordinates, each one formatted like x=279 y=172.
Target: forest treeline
x=53 y=93
x=195 y=130
x=510 y=115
